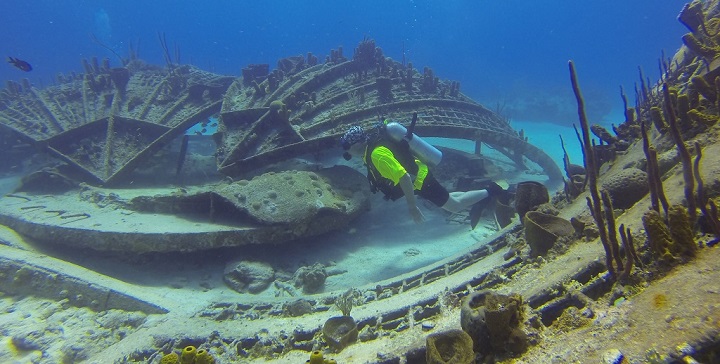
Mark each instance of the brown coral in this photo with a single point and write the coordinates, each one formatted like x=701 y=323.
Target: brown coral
x=681 y=232
x=627 y=187
x=493 y=321
x=659 y=237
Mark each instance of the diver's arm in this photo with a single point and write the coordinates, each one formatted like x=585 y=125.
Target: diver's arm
x=409 y=191
x=390 y=168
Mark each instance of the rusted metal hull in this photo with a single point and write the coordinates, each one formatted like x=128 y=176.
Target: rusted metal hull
x=308 y=108
x=107 y=121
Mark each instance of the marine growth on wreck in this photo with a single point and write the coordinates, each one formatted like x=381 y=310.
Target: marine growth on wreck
x=124 y=215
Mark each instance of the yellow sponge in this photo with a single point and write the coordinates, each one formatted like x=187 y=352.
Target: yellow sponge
x=203 y=357
x=171 y=358
x=188 y=355
x=316 y=357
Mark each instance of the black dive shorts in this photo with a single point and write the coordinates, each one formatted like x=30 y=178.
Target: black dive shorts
x=433 y=191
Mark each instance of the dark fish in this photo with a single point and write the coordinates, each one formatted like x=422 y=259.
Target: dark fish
x=20 y=64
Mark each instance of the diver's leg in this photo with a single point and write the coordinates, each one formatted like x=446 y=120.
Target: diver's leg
x=459 y=201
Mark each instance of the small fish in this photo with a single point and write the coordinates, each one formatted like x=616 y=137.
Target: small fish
x=20 y=64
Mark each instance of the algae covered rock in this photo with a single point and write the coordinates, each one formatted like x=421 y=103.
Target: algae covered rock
x=246 y=276
x=627 y=187
x=297 y=308
x=667 y=160
x=287 y=205
x=311 y=278
x=299 y=196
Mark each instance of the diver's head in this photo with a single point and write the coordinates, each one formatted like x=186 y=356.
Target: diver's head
x=353 y=136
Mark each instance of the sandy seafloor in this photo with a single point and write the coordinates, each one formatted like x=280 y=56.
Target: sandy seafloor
x=379 y=245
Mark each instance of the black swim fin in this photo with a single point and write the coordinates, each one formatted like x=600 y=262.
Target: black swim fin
x=477 y=210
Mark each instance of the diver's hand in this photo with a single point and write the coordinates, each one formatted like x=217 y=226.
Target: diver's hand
x=416 y=214
x=409 y=191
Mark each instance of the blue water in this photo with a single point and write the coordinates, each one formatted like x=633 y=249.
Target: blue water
x=511 y=53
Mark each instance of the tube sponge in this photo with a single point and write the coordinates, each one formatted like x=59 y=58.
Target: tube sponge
x=316 y=357
x=702 y=118
x=203 y=357
x=188 y=355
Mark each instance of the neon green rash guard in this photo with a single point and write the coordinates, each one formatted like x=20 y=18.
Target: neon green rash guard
x=384 y=160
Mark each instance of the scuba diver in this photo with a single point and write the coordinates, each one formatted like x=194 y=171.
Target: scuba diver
x=397 y=165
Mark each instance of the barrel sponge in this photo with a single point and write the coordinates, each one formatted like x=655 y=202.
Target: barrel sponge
x=452 y=346
x=681 y=231
x=503 y=313
x=528 y=196
x=188 y=355
x=543 y=230
x=203 y=357
x=340 y=331
x=171 y=358
x=658 y=234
